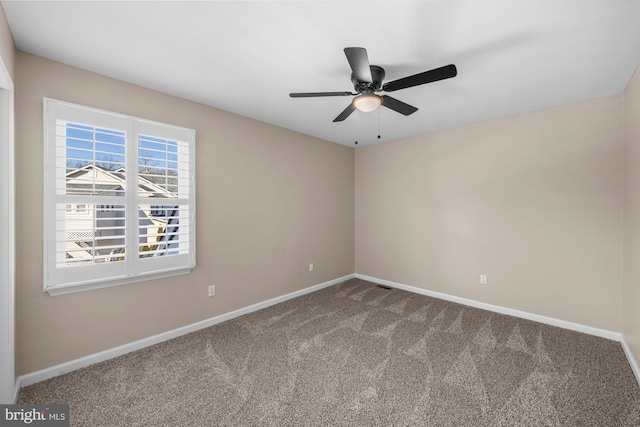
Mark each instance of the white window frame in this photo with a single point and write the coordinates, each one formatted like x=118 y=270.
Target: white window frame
x=63 y=280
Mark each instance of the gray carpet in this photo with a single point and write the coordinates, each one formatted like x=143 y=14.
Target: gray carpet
x=356 y=354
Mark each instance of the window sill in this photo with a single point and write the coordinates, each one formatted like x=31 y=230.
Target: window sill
x=88 y=286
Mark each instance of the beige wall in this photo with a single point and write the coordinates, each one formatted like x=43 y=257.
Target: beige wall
x=269 y=202
x=533 y=201
x=631 y=287
x=7 y=47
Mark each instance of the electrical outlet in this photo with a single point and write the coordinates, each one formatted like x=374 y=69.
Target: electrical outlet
x=311 y=267
x=483 y=279
x=212 y=290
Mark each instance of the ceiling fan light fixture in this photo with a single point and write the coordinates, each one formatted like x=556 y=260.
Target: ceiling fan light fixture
x=367 y=102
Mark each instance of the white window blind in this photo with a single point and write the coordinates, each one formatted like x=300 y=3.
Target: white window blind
x=119 y=198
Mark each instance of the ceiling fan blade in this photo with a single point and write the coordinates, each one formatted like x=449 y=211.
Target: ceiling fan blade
x=346 y=113
x=434 y=75
x=399 y=106
x=314 y=94
x=359 y=63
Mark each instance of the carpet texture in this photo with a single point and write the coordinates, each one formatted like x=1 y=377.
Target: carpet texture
x=356 y=354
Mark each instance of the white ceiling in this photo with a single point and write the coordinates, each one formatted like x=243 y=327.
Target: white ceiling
x=247 y=56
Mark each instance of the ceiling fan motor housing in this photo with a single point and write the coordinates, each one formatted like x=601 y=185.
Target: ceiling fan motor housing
x=377 y=75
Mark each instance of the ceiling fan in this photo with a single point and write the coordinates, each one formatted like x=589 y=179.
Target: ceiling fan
x=367 y=80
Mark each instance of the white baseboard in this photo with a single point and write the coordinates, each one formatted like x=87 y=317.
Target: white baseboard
x=63 y=368
x=603 y=333
x=44 y=374
x=632 y=361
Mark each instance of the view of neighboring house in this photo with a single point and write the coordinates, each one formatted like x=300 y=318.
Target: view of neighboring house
x=96 y=233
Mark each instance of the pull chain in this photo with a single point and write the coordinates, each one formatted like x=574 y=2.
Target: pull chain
x=356 y=127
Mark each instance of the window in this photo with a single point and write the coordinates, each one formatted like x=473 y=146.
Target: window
x=119 y=201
